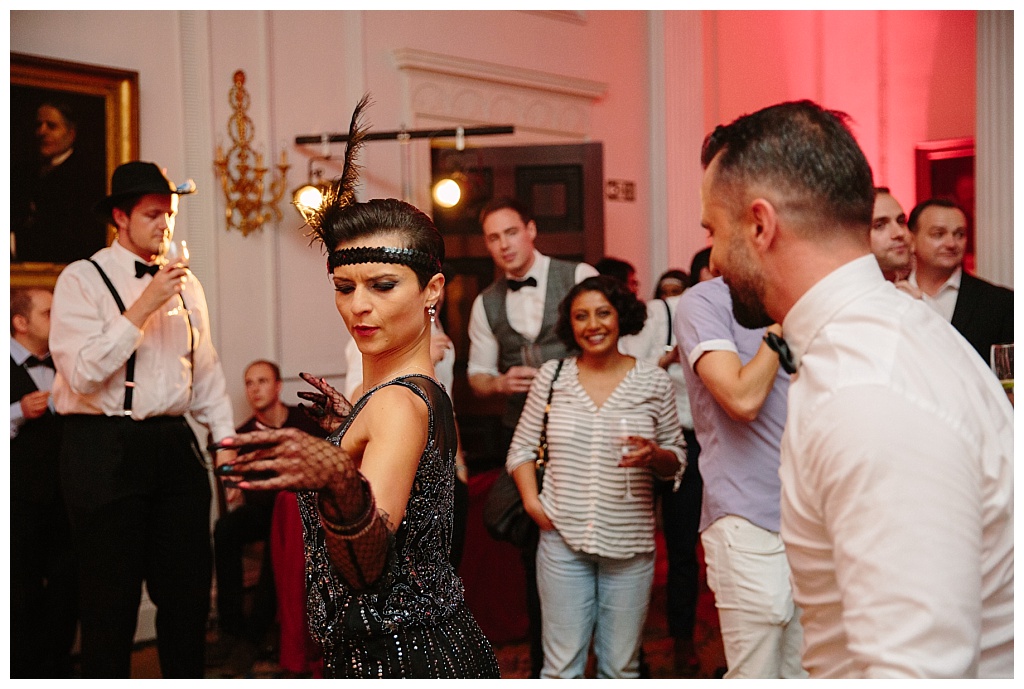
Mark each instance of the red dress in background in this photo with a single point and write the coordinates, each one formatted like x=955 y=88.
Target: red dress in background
x=299 y=653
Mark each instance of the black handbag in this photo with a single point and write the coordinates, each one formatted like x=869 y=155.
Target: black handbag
x=504 y=515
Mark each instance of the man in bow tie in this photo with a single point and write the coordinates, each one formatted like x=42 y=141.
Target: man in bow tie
x=129 y=367
x=516 y=310
x=897 y=457
x=44 y=605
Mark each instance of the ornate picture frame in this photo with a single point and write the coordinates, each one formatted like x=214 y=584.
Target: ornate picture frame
x=100 y=107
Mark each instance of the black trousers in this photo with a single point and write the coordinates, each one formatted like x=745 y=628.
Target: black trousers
x=44 y=588
x=529 y=559
x=138 y=495
x=680 y=517
x=248 y=523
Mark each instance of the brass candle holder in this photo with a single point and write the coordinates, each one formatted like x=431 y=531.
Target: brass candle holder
x=243 y=183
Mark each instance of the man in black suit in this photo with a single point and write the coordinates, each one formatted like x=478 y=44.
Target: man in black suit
x=44 y=600
x=980 y=311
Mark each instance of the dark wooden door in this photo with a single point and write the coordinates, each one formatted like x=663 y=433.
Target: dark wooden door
x=563 y=186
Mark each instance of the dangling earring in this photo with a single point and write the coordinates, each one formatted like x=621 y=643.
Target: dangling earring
x=431 y=311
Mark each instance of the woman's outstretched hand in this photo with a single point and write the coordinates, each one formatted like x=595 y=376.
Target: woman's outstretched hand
x=329 y=407
x=283 y=459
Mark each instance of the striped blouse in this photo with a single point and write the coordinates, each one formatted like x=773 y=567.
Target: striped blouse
x=585 y=492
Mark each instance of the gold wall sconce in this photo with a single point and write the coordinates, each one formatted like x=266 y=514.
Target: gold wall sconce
x=241 y=180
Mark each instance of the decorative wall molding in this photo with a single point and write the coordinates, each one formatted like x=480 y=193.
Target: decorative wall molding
x=571 y=16
x=445 y=91
x=413 y=60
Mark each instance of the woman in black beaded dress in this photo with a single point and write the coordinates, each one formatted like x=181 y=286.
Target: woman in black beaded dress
x=377 y=500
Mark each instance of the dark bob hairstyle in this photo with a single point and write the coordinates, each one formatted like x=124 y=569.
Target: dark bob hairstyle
x=632 y=312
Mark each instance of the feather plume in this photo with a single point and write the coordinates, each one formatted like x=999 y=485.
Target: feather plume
x=341 y=193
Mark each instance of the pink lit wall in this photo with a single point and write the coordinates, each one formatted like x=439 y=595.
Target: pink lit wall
x=903 y=76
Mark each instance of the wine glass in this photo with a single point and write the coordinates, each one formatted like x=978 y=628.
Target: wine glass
x=1001 y=359
x=622 y=428
x=176 y=254
x=532 y=355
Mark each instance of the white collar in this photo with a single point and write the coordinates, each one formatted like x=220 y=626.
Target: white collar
x=827 y=296
x=538 y=270
x=18 y=352
x=953 y=281
x=54 y=162
x=125 y=257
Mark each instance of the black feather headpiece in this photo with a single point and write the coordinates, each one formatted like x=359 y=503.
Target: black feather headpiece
x=340 y=218
x=341 y=193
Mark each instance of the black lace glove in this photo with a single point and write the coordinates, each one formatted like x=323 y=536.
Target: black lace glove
x=357 y=534
x=329 y=407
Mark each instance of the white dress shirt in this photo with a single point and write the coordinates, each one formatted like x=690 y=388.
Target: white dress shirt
x=652 y=343
x=897 y=487
x=176 y=371
x=42 y=376
x=523 y=308
x=944 y=301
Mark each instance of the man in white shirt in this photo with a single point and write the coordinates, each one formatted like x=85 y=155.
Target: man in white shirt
x=526 y=296
x=891 y=241
x=980 y=311
x=897 y=456
x=517 y=311
x=131 y=340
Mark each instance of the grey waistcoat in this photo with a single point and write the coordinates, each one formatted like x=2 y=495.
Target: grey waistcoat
x=561 y=278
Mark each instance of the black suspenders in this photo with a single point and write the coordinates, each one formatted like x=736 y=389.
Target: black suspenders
x=129 y=374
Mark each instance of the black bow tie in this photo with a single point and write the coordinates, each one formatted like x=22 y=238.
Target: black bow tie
x=142 y=269
x=779 y=346
x=32 y=362
x=516 y=285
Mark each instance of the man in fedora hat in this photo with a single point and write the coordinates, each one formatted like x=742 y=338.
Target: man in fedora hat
x=134 y=477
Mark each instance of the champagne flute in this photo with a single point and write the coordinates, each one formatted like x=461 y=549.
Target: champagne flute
x=532 y=356
x=176 y=254
x=622 y=428
x=1001 y=359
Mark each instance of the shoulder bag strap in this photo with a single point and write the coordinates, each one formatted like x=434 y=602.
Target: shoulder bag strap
x=129 y=374
x=668 y=338
x=542 y=446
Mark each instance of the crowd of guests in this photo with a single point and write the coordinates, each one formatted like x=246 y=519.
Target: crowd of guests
x=807 y=401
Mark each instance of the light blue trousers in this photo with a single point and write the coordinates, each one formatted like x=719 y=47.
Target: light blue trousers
x=585 y=596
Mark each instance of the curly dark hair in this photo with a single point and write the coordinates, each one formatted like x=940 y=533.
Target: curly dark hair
x=632 y=312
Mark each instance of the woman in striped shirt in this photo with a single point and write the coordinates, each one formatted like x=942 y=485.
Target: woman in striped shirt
x=595 y=560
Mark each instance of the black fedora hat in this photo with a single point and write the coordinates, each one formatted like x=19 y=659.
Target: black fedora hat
x=139 y=178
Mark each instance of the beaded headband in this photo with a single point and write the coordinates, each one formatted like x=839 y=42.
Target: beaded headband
x=413 y=258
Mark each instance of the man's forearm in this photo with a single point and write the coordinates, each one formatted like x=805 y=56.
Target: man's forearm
x=485 y=384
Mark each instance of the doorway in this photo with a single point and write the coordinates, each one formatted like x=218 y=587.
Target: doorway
x=563 y=187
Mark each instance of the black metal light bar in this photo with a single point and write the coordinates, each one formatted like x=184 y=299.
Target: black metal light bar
x=408 y=134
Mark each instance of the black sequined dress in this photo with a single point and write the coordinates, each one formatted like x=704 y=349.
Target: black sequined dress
x=414 y=622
